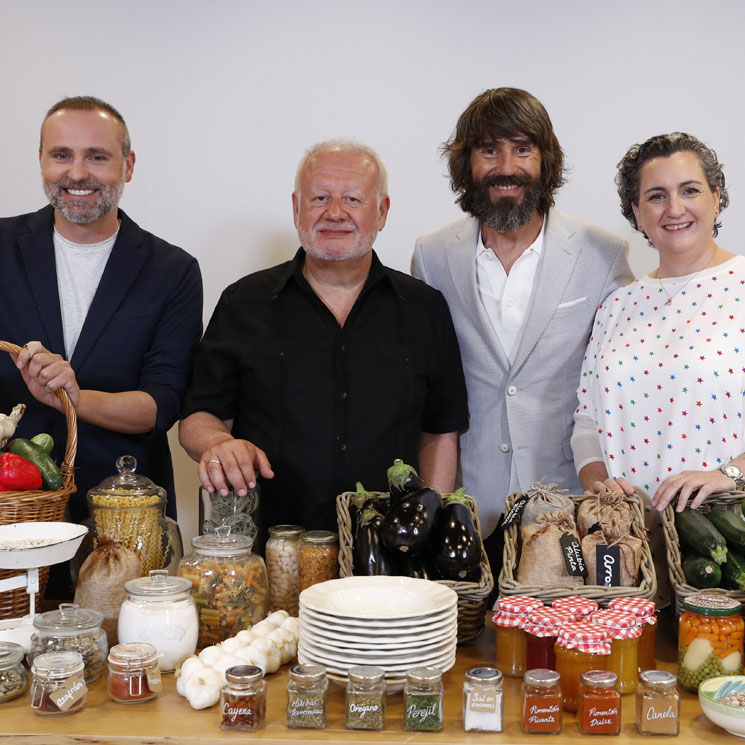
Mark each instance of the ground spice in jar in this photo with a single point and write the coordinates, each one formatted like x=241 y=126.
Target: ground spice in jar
x=542 y=703
x=423 y=695
x=657 y=703
x=599 y=704
x=243 y=698
x=307 y=696
x=365 y=698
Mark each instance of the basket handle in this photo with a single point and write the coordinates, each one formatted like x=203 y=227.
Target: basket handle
x=68 y=464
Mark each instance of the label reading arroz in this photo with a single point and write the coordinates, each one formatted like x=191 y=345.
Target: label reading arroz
x=573 y=559
x=515 y=511
x=608 y=565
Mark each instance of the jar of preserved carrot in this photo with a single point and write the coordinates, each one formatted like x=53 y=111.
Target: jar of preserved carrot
x=580 y=608
x=541 y=629
x=710 y=639
x=645 y=612
x=579 y=647
x=624 y=653
x=512 y=612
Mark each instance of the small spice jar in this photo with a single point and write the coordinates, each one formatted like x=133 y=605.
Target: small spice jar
x=317 y=558
x=657 y=703
x=599 y=703
x=645 y=612
x=243 y=698
x=307 y=697
x=13 y=675
x=580 y=608
x=423 y=696
x=511 y=650
x=542 y=703
x=579 y=647
x=58 y=686
x=134 y=675
x=624 y=652
x=541 y=629
x=483 y=703
x=281 y=566
x=365 y=698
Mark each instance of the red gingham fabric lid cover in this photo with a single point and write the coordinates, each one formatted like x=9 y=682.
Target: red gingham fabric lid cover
x=585 y=637
x=513 y=610
x=580 y=607
x=546 y=621
x=622 y=625
x=643 y=609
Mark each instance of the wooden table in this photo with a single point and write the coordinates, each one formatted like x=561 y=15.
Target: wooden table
x=170 y=720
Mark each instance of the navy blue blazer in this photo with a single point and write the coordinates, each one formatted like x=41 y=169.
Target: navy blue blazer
x=139 y=334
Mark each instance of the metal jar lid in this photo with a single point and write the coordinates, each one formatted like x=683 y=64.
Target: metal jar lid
x=712 y=604
x=222 y=543
x=307 y=673
x=541 y=677
x=286 y=531
x=244 y=674
x=599 y=678
x=425 y=675
x=10 y=654
x=159 y=585
x=366 y=674
x=57 y=664
x=69 y=620
x=319 y=536
x=658 y=678
x=484 y=675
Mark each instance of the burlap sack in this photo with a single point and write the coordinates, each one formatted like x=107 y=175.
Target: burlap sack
x=101 y=581
x=546 y=498
x=608 y=508
x=631 y=556
x=542 y=560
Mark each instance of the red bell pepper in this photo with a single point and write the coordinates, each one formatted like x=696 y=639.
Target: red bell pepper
x=18 y=474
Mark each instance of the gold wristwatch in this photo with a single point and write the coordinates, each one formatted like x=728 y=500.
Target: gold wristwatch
x=733 y=472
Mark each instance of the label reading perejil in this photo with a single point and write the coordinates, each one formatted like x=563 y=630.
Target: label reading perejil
x=71 y=692
x=573 y=559
x=154 y=681
x=608 y=565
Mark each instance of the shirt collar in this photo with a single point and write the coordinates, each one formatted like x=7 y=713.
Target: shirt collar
x=536 y=246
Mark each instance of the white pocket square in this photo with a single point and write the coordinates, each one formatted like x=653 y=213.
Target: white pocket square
x=570 y=303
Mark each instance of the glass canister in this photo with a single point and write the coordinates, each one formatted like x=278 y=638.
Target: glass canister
x=624 y=653
x=365 y=698
x=710 y=639
x=160 y=610
x=645 y=612
x=307 y=697
x=657 y=703
x=483 y=701
x=58 y=686
x=579 y=647
x=317 y=558
x=541 y=629
x=239 y=513
x=542 y=703
x=243 y=699
x=229 y=584
x=131 y=508
x=599 y=703
x=423 y=699
x=281 y=566
x=134 y=675
x=512 y=612
x=580 y=608
x=13 y=675
x=70 y=628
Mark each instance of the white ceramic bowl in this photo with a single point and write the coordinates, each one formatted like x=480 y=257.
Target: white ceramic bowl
x=67 y=538
x=713 y=697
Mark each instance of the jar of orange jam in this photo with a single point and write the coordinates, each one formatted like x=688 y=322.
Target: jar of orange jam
x=580 y=608
x=644 y=610
x=512 y=612
x=624 y=652
x=579 y=647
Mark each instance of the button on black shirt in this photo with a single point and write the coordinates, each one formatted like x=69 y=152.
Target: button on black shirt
x=329 y=405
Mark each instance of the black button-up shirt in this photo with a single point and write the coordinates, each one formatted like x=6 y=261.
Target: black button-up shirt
x=329 y=405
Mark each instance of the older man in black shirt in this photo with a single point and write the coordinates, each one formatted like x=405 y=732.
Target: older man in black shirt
x=330 y=365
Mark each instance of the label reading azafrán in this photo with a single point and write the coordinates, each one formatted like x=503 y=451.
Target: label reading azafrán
x=573 y=559
x=71 y=692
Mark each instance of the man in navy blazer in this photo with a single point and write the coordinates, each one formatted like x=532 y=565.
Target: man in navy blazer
x=102 y=308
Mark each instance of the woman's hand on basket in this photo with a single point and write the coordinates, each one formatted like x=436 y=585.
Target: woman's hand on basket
x=234 y=461
x=619 y=485
x=685 y=484
x=45 y=373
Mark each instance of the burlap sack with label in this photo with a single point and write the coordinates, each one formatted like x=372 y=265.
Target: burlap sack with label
x=610 y=510
x=631 y=556
x=546 y=498
x=542 y=559
x=101 y=581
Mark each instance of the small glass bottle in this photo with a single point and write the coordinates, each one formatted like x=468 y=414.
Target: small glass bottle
x=317 y=558
x=599 y=703
x=243 y=699
x=307 y=697
x=365 y=698
x=423 y=697
x=624 y=653
x=542 y=703
x=58 y=686
x=483 y=703
x=281 y=566
x=541 y=629
x=657 y=703
x=13 y=675
x=645 y=612
x=134 y=675
x=578 y=606
x=512 y=612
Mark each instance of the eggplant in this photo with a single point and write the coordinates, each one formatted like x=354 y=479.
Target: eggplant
x=357 y=504
x=458 y=548
x=402 y=480
x=369 y=555
x=409 y=524
x=416 y=567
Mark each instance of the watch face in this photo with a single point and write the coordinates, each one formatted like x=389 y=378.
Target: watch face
x=732 y=471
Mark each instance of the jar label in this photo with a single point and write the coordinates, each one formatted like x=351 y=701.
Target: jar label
x=608 y=566
x=154 y=681
x=70 y=693
x=660 y=718
x=573 y=559
x=482 y=701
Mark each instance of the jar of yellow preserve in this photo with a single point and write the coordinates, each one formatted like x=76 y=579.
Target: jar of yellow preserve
x=512 y=612
x=645 y=612
x=624 y=654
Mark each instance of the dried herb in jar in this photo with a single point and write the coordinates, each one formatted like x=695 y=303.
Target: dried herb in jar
x=423 y=694
x=307 y=696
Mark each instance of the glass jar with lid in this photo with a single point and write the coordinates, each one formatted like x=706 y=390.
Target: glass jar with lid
x=512 y=612
x=307 y=696
x=134 y=675
x=13 y=675
x=710 y=638
x=542 y=703
x=423 y=700
x=317 y=558
x=243 y=699
x=599 y=703
x=624 y=653
x=645 y=612
x=74 y=629
x=160 y=610
x=483 y=701
x=228 y=582
x=281 y=566
x=58 y=686
x=657 y=703
x=541 y=629
x=365 y=698
x=131 y=508
x=581 y=608
x=238 y=512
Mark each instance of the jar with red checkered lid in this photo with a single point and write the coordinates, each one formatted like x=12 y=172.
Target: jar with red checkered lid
x=624 y=653
x=512 y=612
x=581 y=608
x=541 y=629
x=645 y=611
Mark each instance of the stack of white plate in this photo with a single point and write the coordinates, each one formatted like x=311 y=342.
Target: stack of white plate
x=397 y=623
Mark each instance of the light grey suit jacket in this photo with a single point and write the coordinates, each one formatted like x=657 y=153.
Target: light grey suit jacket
x=522 y=413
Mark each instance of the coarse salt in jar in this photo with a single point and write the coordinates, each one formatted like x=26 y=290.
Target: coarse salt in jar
x=483 y=701
x=317 y=557
x=579 y=607
x=541 y=629
x=645 y=611
x=624 y=654
x=134 y=675
x=512 y=612
x=281 y=566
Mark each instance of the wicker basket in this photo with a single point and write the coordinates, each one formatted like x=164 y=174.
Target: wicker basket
x=472 y=596
x=37 y=506
x=731 y=501
x=508 y=585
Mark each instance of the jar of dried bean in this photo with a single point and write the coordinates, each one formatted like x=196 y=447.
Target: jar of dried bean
x=317 y=558
x=281 y=566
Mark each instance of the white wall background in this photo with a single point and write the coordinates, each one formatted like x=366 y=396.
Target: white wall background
x=222 y=97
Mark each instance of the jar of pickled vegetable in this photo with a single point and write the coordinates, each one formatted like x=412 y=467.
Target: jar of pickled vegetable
x=579 y=647
x=317 y=558
x=512 y=612
x=281 y=566
x=229 y=584
x=580 y=608
x=645 y=612
x=710 y=639
x=541 y=629
x=624 y=654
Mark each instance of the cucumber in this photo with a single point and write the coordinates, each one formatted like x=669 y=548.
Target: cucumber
x=733 y=570
x=51 y=476
x=701 y=572
x=730 y=526
x=44 y=441
x=700 y=535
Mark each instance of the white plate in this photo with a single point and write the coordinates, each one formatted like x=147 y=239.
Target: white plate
x=345 y=643
x=364 y=636
x=374 y=626
x=383 y=622
x=412 y=658
x=390 y=665
x=67 y=538
x=378 y=597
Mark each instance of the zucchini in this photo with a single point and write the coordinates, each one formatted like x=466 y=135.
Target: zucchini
x=730 y=526
x=700 y=535
x=733 y=570
x=50 y=474
x=701 y=572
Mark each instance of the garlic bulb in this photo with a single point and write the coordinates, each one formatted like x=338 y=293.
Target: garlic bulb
x=9 y=422
x=203 y=689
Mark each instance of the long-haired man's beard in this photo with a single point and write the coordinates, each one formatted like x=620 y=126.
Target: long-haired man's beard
x=506 y=213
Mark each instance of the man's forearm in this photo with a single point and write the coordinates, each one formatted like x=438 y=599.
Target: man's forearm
x=438 y=457
x=200 y=431
x=128 y=412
